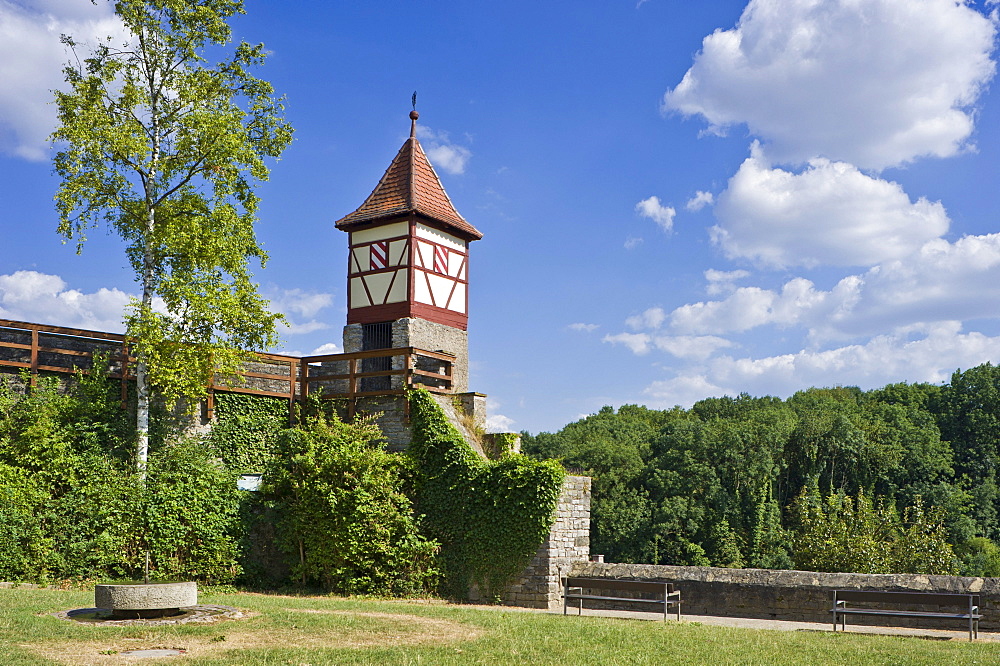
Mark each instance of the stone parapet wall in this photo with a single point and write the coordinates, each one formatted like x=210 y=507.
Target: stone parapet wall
x=568 y=543
x=803 y=596
x=284 y=369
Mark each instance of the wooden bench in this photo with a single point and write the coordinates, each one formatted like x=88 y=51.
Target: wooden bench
x=665 y=594
x=889 y=603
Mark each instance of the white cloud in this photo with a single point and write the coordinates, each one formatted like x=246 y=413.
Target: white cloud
x=31 y=62
x=873 y=83
x=941 y=281
x=442 y=152
x=499 y=423
x=681 y=346
x=632 y=242
x=639 y=343
x=938 y=351
x=747 y=308
x=722 y=282
x=496 y=422
x=298 y=304
x=651 y=318
x=691 y=346
x=292 y=327
x=652 y=209
x=683 y=390
x=699 y=201
x=883 y=359
x=45 y=299
x=579 y=326
x=829 y=214
x=327 y=348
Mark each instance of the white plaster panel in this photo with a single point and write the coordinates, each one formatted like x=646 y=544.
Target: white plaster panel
x=378 y=286
x=457 y=302
x=397 y=253
x=441 y=288
x=456 y=264
x=440 y=238
x=425 y=255
x=379 y=233
x=463 y=270
x=361 y=260
x=421 y=292
x=397 y=292
x=359 y=299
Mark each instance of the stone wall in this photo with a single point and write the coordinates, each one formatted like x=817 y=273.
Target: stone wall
x=568 y=543
x=423 y=334
x=803 y=596
x=391 y=419
x=431 y=336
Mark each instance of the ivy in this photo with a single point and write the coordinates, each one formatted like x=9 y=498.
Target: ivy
x=246 y=429
x=489 y=516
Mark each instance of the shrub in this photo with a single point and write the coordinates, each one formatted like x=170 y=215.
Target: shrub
x=26 y=549
x=342 y=513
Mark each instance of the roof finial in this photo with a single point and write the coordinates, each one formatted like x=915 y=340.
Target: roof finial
x=413 y=116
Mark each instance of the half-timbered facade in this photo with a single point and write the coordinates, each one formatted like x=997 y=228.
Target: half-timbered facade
x=409 y=247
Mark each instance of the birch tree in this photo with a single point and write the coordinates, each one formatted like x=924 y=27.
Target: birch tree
x=165 y=148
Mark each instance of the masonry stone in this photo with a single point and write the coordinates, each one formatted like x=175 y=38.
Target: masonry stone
x=802 y=596
x=568 y=544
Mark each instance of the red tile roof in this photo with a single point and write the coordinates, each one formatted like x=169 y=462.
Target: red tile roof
x=410 y=185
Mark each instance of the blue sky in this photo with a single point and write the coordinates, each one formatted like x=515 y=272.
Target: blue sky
x=679 y=199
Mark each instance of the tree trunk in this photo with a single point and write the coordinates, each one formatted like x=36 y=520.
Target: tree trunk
x=142 y=368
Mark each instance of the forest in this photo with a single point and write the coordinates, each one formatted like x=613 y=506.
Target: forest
x=900 y=479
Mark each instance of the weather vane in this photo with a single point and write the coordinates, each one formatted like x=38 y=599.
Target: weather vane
x=414 y=100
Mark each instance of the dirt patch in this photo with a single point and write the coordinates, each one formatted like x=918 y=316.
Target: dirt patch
x=363 y=630
x=201 y=614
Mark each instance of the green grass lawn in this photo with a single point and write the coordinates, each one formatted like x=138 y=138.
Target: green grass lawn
x=328 y=630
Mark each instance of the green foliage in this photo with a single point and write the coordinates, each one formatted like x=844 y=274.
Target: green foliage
x=979 y=557
x=72 y=505
x=342 y=513
x=614 y=449
x=186 y=515
x=718 y=483
x=488 y=516
x=26 y=548
x=166 y=150
x=848 y=534
x=246 y=429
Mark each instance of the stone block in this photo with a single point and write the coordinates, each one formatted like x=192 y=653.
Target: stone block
x=148 y=599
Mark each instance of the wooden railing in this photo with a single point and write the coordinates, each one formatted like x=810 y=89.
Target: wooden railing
x=359 y=375
x=39 y=348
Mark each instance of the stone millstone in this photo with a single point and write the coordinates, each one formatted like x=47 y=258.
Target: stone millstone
x=145 y=599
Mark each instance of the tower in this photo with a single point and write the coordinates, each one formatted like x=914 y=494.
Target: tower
x=408 y=264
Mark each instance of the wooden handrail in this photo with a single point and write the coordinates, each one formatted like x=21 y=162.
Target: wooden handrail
x=296 y=379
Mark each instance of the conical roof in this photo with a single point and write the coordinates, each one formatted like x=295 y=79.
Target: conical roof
x=410 y=185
